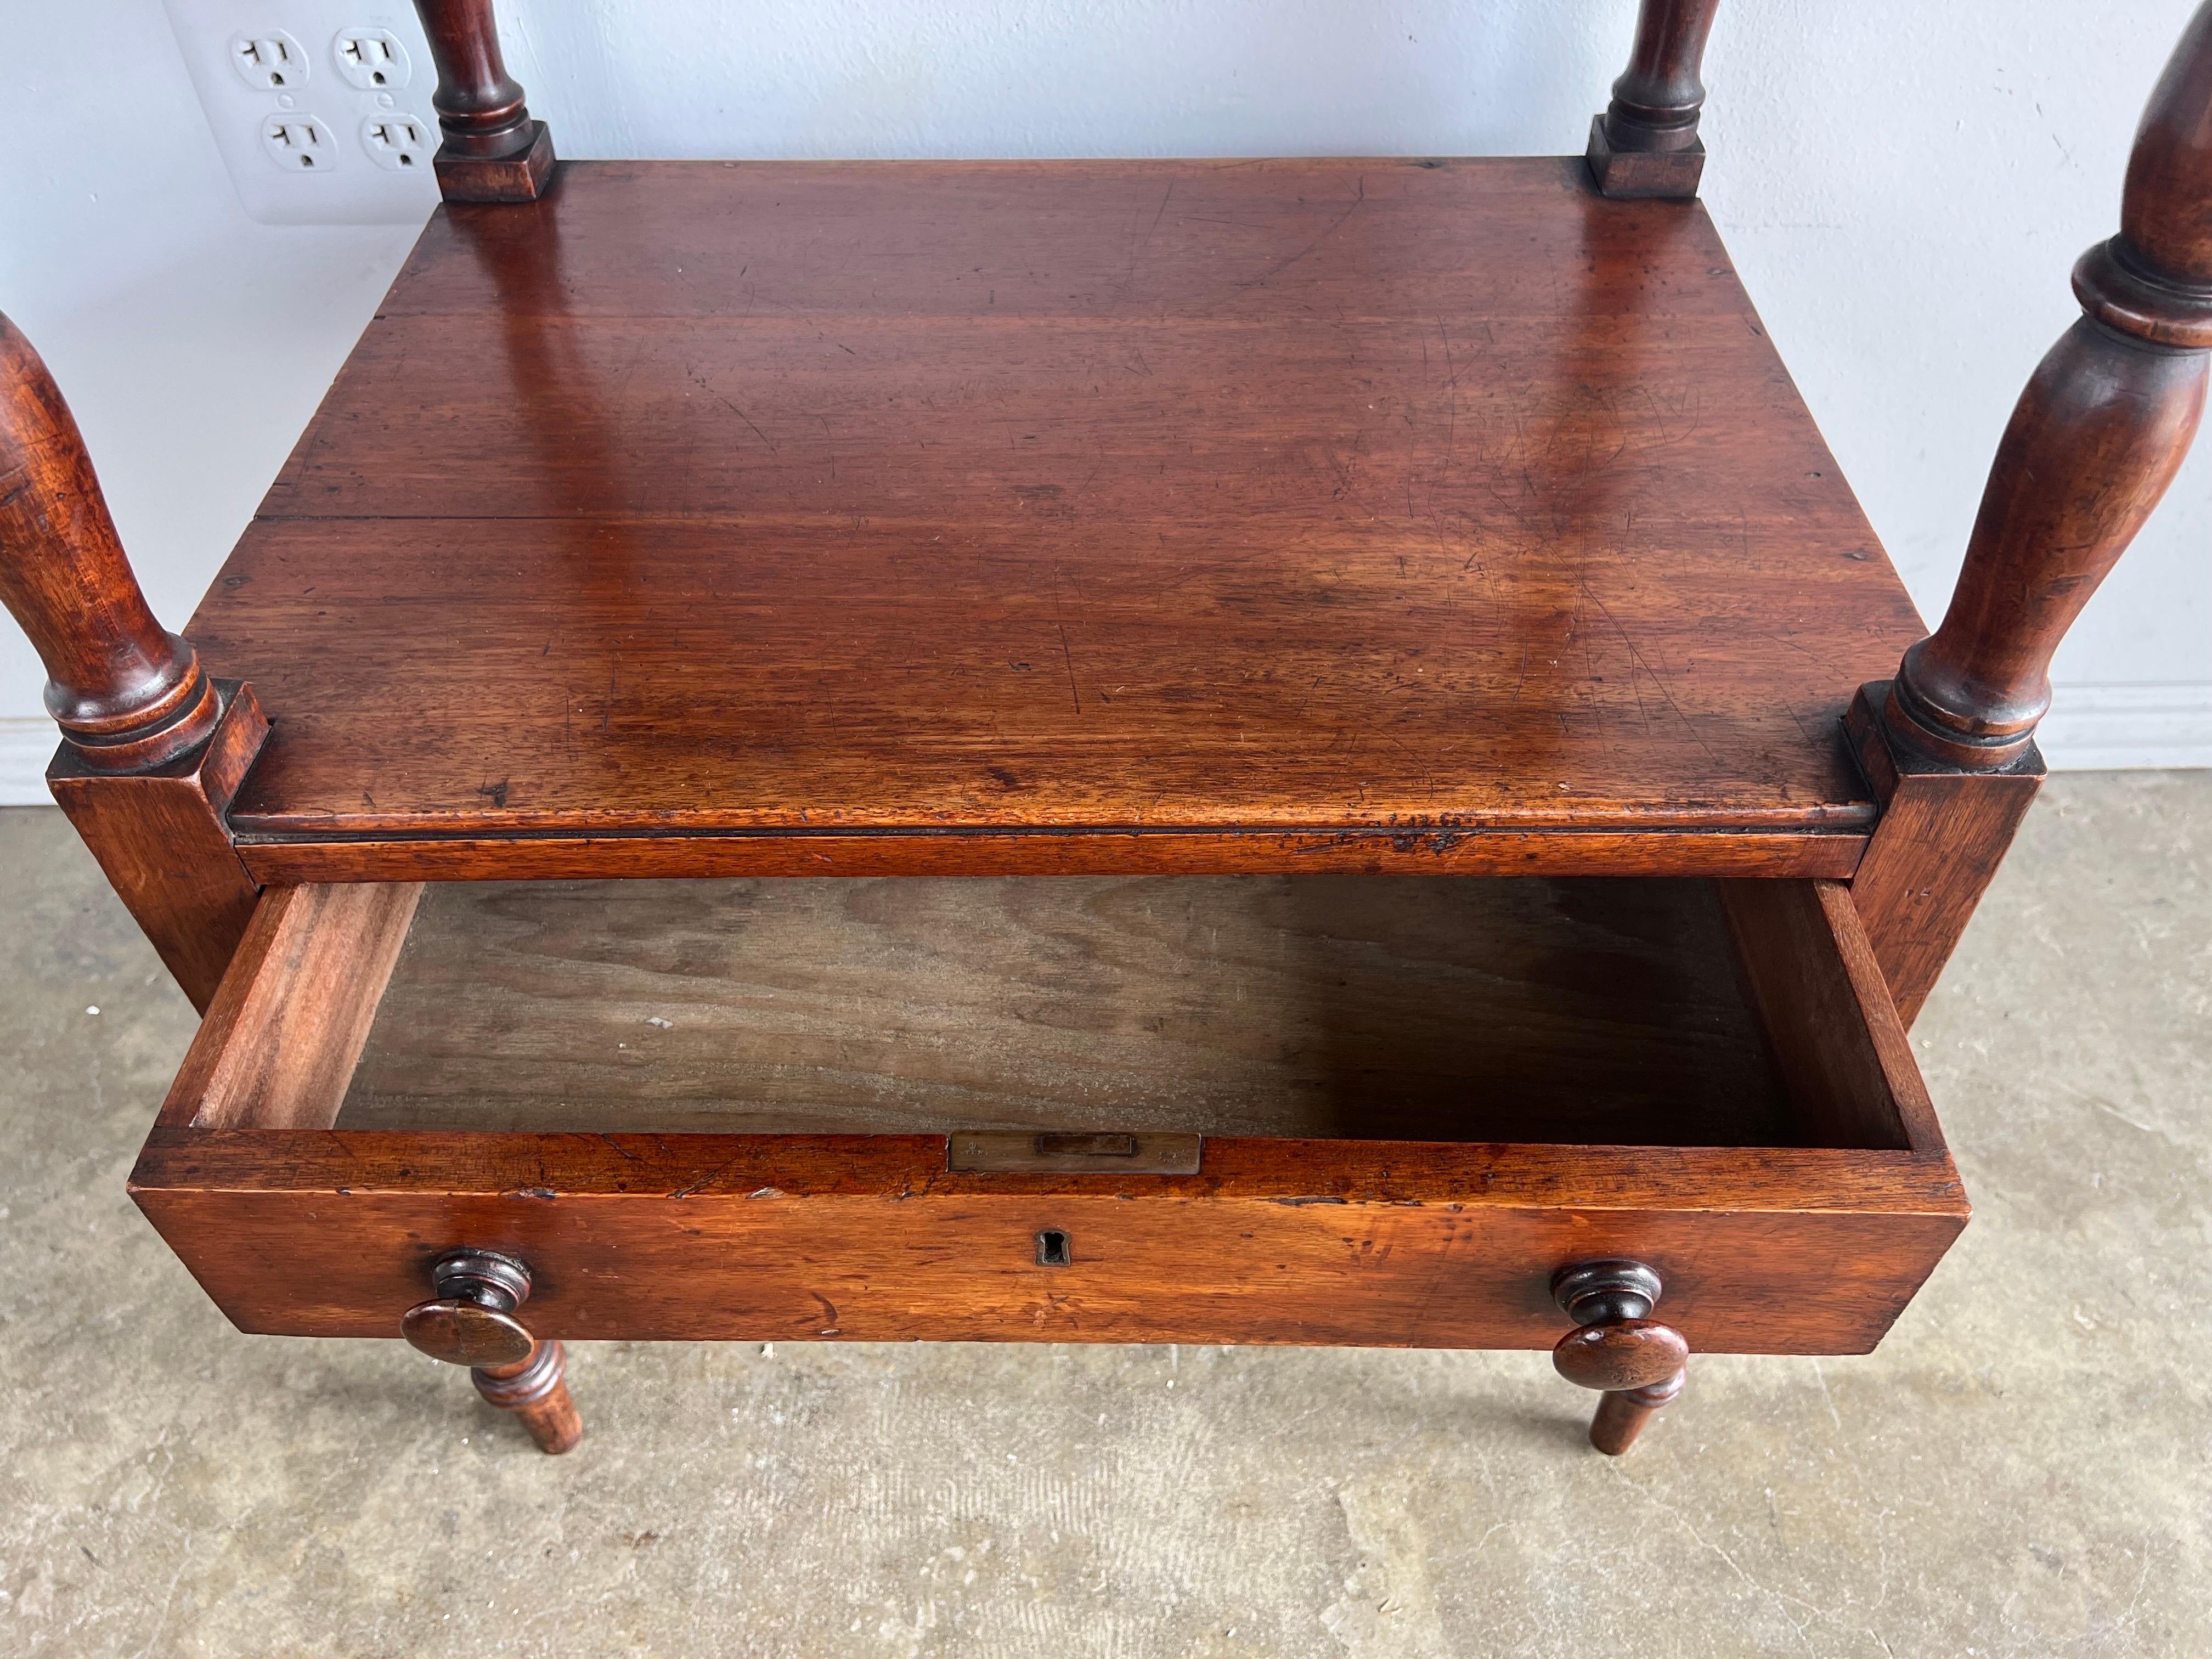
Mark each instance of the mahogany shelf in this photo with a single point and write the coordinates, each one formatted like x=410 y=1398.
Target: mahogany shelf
x=1017 y=517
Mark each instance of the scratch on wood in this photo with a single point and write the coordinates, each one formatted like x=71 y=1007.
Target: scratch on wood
x=1068 y=657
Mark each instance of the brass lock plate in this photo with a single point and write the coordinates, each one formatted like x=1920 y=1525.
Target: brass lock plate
x=1028 y=1151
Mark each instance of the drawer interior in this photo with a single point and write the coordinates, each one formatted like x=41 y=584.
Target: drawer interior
x=1317 y=1108
x=1596 y=1011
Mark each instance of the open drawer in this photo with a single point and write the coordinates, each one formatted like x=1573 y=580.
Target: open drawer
x=1317 y=1109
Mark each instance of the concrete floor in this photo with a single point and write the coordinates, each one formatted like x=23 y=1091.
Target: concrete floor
x=2024 y=1468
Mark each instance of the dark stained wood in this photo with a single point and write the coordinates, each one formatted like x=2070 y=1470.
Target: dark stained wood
x=160 y=840
x=2096 y=438
x=1093 y=851
x=870 y=1238
x=470 y=1319
x=1621 y=1414
x=153 y=751
x=1646 y=142
x=1364 y=1227
x=1638 y=1363
x=536 y=1390
x=1942 y=834
x=492 y=150
x=1618 y=1354
x=1826 y=1008
x=280 y=1040
x=1242 y=500
x=1419 y=1010
x=127 y=696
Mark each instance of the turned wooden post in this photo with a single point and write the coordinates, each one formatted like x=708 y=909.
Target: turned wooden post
x=1646 y=141
x=470 y=1320
x=2091 y=445
x=152 y=750
x=492 y=150
x=127 y=696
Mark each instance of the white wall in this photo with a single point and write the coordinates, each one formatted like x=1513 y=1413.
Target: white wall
x=1904 y=185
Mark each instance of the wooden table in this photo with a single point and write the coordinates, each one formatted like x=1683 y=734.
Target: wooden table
x=1259 y=751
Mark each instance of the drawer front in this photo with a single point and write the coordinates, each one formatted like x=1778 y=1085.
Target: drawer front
x=295 y=1226
x=870 y=1239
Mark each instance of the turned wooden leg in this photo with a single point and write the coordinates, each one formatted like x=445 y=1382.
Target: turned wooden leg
x=535 y=1391
x=1646 y=141
x=471 y=1321
x=1622 y=1414
x=2098 y=433
x=1638 y=1363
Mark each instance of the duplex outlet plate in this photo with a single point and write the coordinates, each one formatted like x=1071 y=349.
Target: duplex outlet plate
x=320 y=108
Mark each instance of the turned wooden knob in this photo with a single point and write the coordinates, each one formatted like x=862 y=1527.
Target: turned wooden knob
x=1635 y=1353
x=1637 y=1363
x=471 y=1321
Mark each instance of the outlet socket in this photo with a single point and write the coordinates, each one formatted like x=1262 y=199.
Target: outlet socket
x=269 y=60
x=309 y=135
x=374 y=60
x=299 y=144
x=398 y=142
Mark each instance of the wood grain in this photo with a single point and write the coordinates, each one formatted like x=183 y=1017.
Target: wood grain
x=1069 y=497
x=2098 y=434
x=1103 y=852
x=128 y=695
x=1943 y=832
x=161 y=841
x=1369 y=1007
x=1838 y=1041
x=869 y=1238
x=288 y=1022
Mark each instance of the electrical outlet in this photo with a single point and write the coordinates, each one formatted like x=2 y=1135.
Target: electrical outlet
x=374 y=60
x=299 y=144
x=271 y=62
x=315 y=135
x=399 y=141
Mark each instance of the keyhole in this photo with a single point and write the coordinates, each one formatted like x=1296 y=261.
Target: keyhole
x=1052 y=1249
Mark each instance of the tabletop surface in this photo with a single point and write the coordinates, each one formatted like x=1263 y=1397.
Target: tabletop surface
x=784 y=498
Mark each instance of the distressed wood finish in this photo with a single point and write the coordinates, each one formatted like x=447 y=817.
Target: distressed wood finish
x=491 y=150
x=1369 y=1008
x=1812 y=975
x=1369 y=1230
x=1831 y=853
x=1290 y=507
x=1646 y=142
x=280 y=1042
x=869 y=1238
